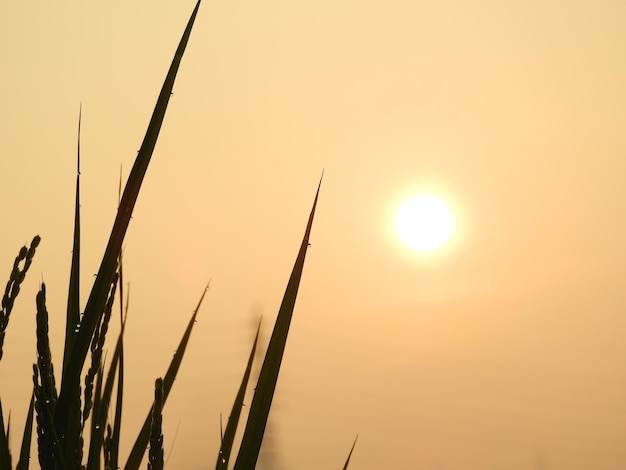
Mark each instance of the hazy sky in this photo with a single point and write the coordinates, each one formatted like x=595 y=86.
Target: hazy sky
x=503 y=350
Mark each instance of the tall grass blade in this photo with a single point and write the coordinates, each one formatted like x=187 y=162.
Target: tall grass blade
x=139 y=448
x=155 y=455
x=73 y=297
x=345 y=467
x=117 y=422
x=24 y=461
x=71 y=442
x=12 y=288
x=262 y=401
x=5 y=452
x=228 y=437
x=97 y=297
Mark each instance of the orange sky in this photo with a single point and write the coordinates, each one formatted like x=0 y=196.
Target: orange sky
x=502 y=350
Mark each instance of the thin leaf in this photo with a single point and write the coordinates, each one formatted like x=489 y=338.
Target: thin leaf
x=5 y=452
x=155 y=455
x=72 y=440
x=139 y=448
x=262 y=401
x=172 y=445
x=345 y=467
x=117 y=422
x=73 y=297
x=97 y=298
x=228 y=437
x=24 y=461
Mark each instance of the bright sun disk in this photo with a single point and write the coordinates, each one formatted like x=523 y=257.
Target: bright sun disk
x=424 y=222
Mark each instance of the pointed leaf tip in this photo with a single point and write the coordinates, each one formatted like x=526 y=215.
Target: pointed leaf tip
x=345 y=467
x=139 y=448
x=92 y=313
x=268 y=376
x=309 y=225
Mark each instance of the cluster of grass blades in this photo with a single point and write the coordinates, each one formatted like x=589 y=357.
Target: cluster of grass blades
x=61 y=413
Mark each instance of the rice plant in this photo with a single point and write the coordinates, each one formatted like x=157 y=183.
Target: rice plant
x=72 y=417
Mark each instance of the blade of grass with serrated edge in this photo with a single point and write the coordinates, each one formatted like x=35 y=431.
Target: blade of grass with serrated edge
x=97 y=297
x=139 y=448
x=228 y=437
x=266 y=385
x=345 y=467
x=5 y=453
x=22 y=464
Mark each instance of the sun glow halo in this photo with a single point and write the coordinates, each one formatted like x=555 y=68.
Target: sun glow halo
x=424 y=222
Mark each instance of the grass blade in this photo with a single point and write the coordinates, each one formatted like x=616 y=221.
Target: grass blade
x=5 y=452
x=73 y=297
x=24 y=461
x=97 y=298
x=155 y=456
x=345 y=467
x=139 y=448
x=117 y=422
x=262 y=401
x=228 y=437
x=72 y=440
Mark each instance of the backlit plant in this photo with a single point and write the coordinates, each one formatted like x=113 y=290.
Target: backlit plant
x=79 y=406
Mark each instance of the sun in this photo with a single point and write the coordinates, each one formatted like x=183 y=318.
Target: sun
x=424 y=222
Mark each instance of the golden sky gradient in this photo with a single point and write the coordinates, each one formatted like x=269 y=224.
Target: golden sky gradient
x=503 y=350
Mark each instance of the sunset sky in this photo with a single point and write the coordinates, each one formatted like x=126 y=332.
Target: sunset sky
x=504 y=349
